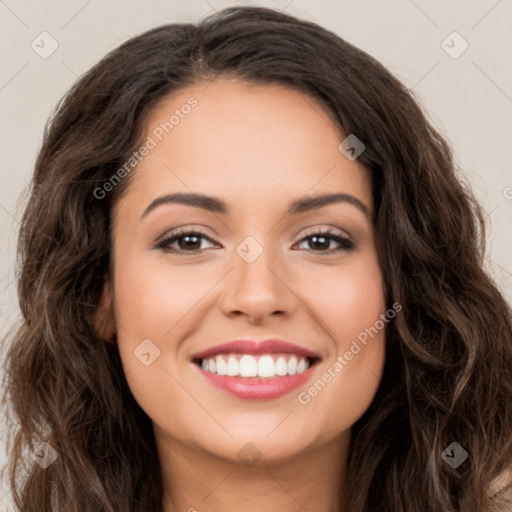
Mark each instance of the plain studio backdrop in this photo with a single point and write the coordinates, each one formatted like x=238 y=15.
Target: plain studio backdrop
x=455 y=56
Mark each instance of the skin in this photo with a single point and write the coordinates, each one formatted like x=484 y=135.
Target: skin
x=258 y=148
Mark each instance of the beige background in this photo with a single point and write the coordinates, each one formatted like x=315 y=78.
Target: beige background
x=469 y=98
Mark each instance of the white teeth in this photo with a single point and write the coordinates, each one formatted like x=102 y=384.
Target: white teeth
x=281 y=366
x=222 y=366
x=266 y=367
x=292 y=365
x=247 y=366
x=232 y=366
x=301 y=366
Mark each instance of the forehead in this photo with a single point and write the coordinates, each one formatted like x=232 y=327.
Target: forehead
x=246 y=143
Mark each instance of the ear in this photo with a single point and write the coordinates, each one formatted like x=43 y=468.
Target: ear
x=104 y=318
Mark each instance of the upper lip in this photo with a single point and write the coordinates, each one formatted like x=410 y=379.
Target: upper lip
x=245 y=346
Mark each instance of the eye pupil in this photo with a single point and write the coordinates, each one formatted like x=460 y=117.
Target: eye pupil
x=188 y=242
x=321 y=245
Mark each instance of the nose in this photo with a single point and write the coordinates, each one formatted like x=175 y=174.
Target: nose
x=258 y=289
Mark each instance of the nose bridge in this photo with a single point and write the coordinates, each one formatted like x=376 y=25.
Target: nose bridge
x=257 y=283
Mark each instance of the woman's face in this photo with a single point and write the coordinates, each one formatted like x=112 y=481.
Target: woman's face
x=255 y=271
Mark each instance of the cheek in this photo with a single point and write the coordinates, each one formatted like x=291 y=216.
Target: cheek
x=150 y=302
x=158 y=302
x=350 y=376
x=152 y=296
x=347 y=300
x=360 y=303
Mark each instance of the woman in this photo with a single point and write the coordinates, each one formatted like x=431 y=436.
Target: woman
x=251 y=279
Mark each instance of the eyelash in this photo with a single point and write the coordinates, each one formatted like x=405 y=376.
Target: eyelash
x=345 y=243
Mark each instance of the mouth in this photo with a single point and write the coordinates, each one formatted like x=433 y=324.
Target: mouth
x=247 y=366
x=256 y=371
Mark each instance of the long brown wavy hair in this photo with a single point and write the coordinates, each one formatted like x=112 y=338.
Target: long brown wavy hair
x=448 y=369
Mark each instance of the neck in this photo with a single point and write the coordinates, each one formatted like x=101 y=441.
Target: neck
x=196 y=481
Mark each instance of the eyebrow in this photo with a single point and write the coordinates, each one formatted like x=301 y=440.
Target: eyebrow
x=216 y=205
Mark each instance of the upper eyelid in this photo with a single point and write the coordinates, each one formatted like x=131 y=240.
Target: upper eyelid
x=308 y=232
x=185 y=231
x=334 y=231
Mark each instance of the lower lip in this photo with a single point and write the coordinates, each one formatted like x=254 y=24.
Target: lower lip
x=254 y=388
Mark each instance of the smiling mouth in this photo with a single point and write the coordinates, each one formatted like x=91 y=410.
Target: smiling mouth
x=263 y=366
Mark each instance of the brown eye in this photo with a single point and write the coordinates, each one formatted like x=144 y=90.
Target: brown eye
x=187 y=241
x=322 y=240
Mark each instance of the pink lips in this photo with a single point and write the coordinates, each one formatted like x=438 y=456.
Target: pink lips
x=273 y=346
x=255 y=388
